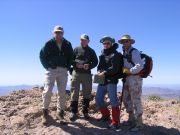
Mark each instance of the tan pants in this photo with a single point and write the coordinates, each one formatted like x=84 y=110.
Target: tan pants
x=132 y=95
x=60 y=76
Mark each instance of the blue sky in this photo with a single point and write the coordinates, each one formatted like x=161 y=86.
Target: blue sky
x=26 y=25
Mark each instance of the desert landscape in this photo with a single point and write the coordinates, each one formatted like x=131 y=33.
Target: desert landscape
x=20 y=114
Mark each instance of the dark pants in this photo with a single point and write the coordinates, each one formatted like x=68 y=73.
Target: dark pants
x=86 y=81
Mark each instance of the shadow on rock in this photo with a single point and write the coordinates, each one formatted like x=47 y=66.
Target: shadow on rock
x=159 y=130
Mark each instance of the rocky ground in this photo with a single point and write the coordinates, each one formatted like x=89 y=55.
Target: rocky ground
x=20 y=114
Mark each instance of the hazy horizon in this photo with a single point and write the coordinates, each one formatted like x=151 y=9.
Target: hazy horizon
x=165 y=91
x=173 y=84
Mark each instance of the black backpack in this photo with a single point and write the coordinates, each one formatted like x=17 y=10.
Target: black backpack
x=148 y=63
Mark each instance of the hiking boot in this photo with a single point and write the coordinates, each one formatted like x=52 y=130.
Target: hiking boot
x=139 y=124
x=131 y=120
x=85 y=106
x=73 y=116
x=86 y=115
x=74 y=106
x=115 y=119
x=115 y=116
x=45 y=116
x=60 y=115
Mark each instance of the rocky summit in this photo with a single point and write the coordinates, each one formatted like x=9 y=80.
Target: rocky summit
x=20 y=114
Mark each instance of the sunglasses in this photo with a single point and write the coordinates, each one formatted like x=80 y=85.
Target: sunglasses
x=106 y=43
x=58 y=32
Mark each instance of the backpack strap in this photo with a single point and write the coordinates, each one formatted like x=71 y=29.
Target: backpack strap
x=130 y=53
x=129 y=56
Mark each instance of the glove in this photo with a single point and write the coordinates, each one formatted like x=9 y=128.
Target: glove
x=126 y=71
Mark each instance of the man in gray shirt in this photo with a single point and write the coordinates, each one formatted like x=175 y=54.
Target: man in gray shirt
x=85 y=59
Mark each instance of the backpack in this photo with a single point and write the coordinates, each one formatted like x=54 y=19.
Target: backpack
x=148 y=64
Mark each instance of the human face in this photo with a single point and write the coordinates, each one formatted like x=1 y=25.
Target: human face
x=126 y=44
x=107 y=44
x=84 y=42
x=58 y=36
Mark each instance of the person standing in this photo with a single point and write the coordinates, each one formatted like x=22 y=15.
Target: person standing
x=132 y=91
x=56 y=57
x=109 y=68
x=85 y=59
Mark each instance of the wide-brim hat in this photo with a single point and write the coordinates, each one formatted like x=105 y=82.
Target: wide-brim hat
x=112 y=40
x=126 y=37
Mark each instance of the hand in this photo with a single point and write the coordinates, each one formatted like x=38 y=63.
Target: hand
x=86 y=66
x=98 y=72
x=126 y=71
x=102 y=74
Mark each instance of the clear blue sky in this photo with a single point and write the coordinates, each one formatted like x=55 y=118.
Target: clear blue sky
x=26 y=25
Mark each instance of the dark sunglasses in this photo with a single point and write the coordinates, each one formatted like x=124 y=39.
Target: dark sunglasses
x=58 y=32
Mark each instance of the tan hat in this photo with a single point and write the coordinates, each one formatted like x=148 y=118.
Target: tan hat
x=84 y=36
x=126 y=37
x=58 y=29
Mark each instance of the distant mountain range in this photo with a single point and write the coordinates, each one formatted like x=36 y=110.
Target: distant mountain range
x=169 y=92
x=5 y=90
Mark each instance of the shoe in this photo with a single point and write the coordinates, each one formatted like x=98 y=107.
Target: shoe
x=139 y=124
x=73 y=117
x=131 y=120
x=60 y=115
x=45 y=117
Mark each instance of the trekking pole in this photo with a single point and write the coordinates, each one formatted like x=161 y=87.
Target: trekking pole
x=121 y=99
